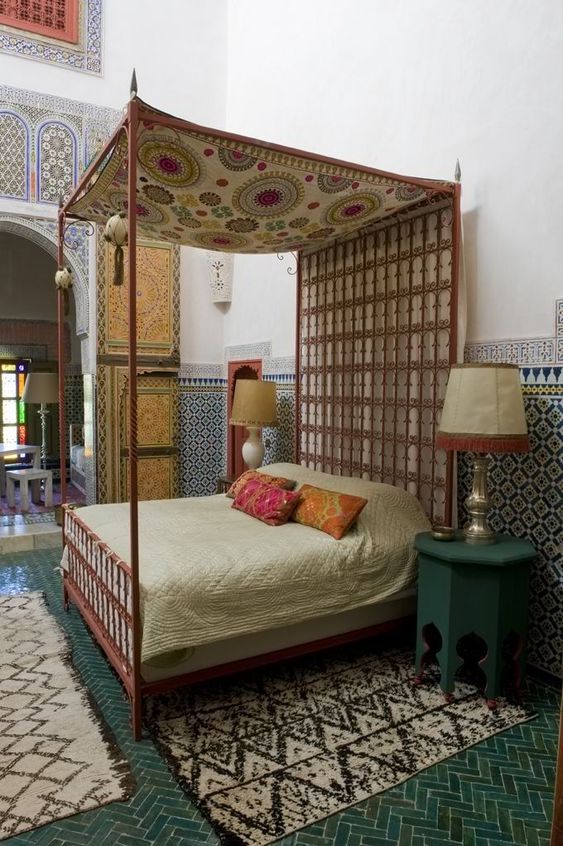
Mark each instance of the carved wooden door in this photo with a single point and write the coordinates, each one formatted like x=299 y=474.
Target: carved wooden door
x=157 y=415
x=158 y=313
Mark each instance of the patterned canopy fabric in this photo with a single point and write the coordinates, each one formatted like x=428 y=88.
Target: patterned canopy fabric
x=218 y=191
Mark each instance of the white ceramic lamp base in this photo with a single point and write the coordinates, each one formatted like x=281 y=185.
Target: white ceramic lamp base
x=253 y=448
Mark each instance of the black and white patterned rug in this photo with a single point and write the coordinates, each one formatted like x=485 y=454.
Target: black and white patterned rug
x=57 y=757
x=269 y=752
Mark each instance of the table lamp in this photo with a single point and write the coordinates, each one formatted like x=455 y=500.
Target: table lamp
x=483 y=413
x=254 y=405
x=42 y=388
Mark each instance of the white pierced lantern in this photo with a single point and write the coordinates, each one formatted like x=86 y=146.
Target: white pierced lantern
x=115 y=233
x=63 y=278
x=220 y=267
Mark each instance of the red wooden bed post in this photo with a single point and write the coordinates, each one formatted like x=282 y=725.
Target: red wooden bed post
x=297 y=437
x=456 y=261
x=136 y=715
x=61 y=355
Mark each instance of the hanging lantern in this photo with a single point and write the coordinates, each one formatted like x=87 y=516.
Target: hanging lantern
x=116 y=233
x=63 y=278
x=220 y=267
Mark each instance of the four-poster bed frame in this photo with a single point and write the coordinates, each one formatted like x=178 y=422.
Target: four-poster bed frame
x=376 y=323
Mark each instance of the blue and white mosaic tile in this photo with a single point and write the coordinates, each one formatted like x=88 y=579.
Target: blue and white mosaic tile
x=201 y=434
x=527 y=501
x=279 y=440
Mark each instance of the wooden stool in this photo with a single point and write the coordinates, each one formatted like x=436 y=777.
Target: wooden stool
x=33 y=475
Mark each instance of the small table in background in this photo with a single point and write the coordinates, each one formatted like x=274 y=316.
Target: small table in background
x=223 y=484
x=10 y=450
x=470 y=589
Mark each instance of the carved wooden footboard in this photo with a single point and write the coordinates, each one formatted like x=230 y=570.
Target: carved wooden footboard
x=98 y=582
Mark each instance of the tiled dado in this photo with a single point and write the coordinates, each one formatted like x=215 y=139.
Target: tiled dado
x=527 y=501
x=203 y=421
x=202 y=406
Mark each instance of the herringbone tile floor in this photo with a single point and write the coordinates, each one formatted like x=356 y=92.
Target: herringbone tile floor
x=499 y=792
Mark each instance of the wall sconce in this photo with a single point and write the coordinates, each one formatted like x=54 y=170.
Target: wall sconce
x=220 y=267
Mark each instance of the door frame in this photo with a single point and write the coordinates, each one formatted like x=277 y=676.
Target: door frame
x=247 y=369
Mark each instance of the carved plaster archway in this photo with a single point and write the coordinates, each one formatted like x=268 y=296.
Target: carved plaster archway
x=44 y=233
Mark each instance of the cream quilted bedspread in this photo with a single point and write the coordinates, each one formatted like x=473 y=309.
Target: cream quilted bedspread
x=209 y=572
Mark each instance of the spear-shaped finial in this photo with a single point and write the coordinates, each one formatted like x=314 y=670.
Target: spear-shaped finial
x=457 y=174
x=133 y=86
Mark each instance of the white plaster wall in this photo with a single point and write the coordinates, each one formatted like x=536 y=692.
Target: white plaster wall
x=179 y=50
x=410 y=86
x=263 y=306
x=201 y=321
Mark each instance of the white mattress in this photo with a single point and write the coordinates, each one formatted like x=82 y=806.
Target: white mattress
x=210 y=573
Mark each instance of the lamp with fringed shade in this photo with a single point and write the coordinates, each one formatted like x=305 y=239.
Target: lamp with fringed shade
x=483 y=413
x=254 y=405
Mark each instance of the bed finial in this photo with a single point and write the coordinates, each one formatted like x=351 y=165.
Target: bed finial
x=457 y=174
x=133 y=86
x=61 y=199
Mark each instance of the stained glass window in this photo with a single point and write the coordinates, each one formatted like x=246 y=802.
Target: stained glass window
x=13 y=429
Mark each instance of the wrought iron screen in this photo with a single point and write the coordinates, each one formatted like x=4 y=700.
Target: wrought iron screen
x=376 y=335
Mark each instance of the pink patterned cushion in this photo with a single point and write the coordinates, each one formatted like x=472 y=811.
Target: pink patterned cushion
x=277 y=481
x=265 y=502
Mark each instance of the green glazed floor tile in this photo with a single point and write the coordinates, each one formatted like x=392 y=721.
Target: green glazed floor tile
x=499 y=792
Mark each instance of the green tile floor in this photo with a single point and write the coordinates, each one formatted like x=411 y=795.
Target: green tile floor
x=497 y=792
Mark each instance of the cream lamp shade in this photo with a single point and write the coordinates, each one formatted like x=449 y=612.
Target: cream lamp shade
x=41 y=388
x=483 y=410
x=254 y=403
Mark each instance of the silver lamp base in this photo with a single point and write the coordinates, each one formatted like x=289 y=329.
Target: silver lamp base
x=477 y=530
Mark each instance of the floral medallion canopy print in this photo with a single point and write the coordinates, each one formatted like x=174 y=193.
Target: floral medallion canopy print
x=211 y=189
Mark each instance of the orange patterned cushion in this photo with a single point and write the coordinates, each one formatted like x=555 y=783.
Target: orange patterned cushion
x=265 y=502
x=329 y=511
x=276 y=481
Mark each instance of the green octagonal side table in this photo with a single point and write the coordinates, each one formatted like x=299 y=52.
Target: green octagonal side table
x=466 y=588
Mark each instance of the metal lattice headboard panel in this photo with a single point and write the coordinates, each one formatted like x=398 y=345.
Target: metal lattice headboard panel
x=376 y=335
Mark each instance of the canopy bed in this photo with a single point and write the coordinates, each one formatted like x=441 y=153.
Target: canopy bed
x=377 y=257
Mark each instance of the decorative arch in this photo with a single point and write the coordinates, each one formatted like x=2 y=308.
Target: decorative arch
x=44 y=234
x=14 y=166
x=56 y=160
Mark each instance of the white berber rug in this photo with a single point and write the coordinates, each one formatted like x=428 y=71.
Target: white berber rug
x=272 y=751
x=56 y=756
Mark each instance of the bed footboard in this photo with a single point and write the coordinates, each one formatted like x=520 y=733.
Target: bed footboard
x=98 y=582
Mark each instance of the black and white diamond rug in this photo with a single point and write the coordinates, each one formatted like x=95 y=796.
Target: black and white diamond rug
x=269 y=752
x=57 y=757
